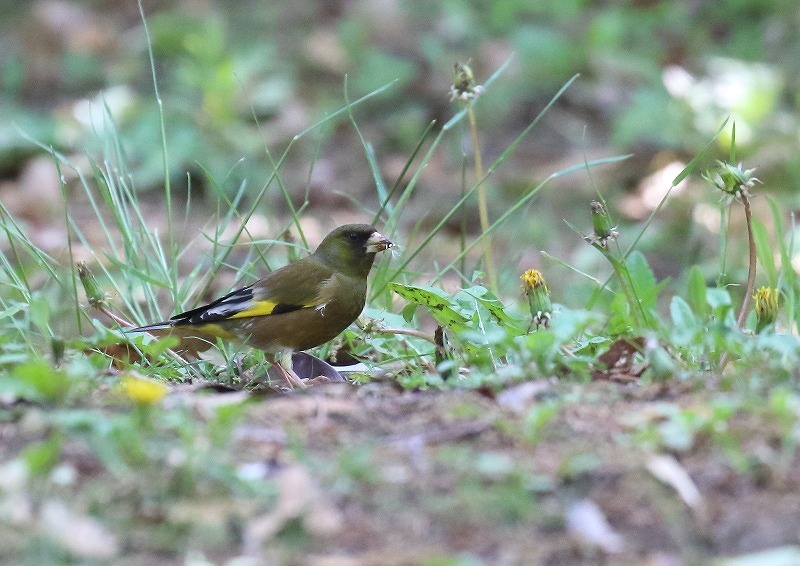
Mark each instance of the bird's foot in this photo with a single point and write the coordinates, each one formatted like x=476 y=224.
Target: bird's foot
x=291 y=379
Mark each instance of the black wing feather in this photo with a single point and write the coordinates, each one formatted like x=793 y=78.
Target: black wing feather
x=220 y=309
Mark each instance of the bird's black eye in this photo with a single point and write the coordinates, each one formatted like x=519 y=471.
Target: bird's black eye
x=353 y=236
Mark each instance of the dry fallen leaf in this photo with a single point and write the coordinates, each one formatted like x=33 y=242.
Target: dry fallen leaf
x=586 y=522
x=617 y=364
x=82 y=536
x=299 y=497
x=669 y=471
x=520 y=397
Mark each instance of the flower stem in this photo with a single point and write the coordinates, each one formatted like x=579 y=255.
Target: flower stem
x=751 y=276
x=483 y=209
x=751 y=270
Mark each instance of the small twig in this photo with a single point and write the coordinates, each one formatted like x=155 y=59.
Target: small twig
x=118 y=319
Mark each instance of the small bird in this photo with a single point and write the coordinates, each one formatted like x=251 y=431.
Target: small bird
x=302 y=305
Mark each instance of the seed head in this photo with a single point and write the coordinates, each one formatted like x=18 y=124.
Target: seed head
x=464 y=87
x=734 y=181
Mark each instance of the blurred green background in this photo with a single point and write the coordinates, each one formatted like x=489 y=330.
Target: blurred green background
x=240 y=79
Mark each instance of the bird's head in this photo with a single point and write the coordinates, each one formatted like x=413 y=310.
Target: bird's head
x=351 y=249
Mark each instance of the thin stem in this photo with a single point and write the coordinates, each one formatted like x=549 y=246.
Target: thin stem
x=483 y=209
x=462 y=241
x=751 y=276
x=405 y=332
x=751 y=270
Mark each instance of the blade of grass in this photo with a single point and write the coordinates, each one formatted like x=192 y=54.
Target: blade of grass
x=385 y=205
x=369 y=151
x=685 y=172
x=532 y=193
x=563 y=263
x=164 y=153
x=496 y=163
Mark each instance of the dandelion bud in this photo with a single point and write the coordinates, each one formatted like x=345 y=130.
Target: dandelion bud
x=603 y=230
x=57 y=347
x=535 y=288
x=766 y=307
x=94 y=294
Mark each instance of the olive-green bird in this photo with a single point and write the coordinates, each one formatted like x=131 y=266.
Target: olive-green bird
x=297 y=307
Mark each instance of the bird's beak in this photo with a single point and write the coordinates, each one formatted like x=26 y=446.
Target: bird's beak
x=377 y=243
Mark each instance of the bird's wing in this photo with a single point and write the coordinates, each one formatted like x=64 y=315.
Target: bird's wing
x=300 y=285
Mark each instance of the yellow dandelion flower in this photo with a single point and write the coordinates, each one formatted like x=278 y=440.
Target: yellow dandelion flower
x=766 y=307
x=142 y=390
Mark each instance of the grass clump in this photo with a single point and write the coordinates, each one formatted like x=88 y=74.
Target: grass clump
x=164 y=448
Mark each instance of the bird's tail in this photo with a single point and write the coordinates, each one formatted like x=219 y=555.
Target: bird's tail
x=192 y=340
x=159 y=326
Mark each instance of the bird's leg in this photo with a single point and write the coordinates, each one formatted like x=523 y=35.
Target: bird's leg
x=292 y=379
x=285 y=367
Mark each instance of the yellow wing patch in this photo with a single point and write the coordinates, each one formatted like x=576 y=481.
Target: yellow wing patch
x=259 y=308
x=266 y=308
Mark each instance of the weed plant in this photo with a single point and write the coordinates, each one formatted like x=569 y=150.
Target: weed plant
x=482 y=337
x=61 y=329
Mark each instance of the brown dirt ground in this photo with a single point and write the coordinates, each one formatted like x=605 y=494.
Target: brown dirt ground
x=439 y=474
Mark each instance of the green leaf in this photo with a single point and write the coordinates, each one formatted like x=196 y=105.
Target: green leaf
x=697 y=292
x=718 y=299
x=157 y=347
x=543 y=347
x=682 y=316
x=571 y=323
x=408 y=311
x=40 y=313
x=36 y=381
x=766 y=257
x=440 y=304
x=644 y=281
x=41 y=457
x=620 y=320
x=496 y=308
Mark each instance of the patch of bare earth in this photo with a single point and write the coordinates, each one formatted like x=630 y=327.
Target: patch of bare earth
x=404 y=477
